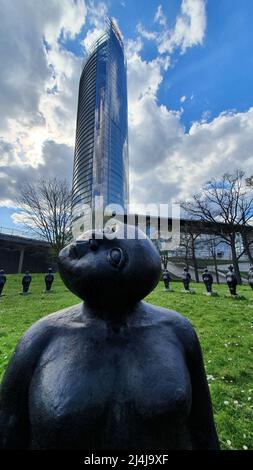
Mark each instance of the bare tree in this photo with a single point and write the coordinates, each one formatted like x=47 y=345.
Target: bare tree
x=164 y=254
x=46 y=210
x=212 y=245
x=226 y=204
x=189 y=242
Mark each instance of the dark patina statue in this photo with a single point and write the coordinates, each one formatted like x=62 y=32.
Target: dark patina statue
x=26 y=281
x=49 y=279
x=250 y=277
x=186 y=278
x=2 y=280
x=208 y=280
x=231 y=280
x=111 y=373
x=166 y=279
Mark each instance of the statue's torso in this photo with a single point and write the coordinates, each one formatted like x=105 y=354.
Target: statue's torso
x=98 y=388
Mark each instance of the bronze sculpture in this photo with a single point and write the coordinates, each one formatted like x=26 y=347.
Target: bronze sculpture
x=26 y=281
x=49 y=279
x=166 y=279
x=2 y=281
x=113 y=372
x=208 y=280
x=231 y=280
x=250 y=277
x=186 y=278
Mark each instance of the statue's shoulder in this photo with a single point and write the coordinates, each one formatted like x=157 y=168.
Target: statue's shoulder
x=173 y=320
x=60 y=318
x=42 y=330
x=162 y=314
x=35 y=340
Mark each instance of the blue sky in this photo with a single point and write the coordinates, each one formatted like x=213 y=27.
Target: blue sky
x=190 y=75
x=220 y=73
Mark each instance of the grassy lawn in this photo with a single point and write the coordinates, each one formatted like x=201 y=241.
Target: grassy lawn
x=224 y=326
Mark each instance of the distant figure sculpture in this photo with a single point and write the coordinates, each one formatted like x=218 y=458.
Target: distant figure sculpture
x=113 y=372
x=2 y=281
x=186 y=278
x=231 y=280
x=208 y=280
x=166 y=279
x=26 y=281
x=250 y=277
x=49 y=279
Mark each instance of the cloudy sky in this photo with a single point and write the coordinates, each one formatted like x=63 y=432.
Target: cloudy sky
x=190 y=93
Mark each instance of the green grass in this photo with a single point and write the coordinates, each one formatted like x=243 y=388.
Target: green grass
x=18 y=312
x=224 y=326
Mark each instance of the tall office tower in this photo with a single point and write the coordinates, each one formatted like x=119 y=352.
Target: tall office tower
x=101 y=150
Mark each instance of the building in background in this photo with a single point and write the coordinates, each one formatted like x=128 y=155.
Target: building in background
x=20 y=252
x=101 y=148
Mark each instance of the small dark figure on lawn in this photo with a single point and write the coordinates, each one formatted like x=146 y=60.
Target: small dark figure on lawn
x=250 y=277
x=166 y=279
x=231 y=280
x=26 y=281
x=49 y=279
x=186 y=278
x=2 y=281
x=113 y=372
x=208 y=280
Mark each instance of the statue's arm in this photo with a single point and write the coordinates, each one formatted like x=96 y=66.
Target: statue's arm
x=14 y=414
x=201 y=419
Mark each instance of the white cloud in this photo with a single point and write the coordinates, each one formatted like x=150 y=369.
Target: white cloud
x=160 y=16
x=62 y=16
x=38 y=102
x=56 y=160
x=166 y=161
x=97 y=14
x=150 y=35
x=92 y=36
x=190 y=25
x=189 y=29
x=39 y=86
x=186 y=160
x=143 y=78
x=21 y=218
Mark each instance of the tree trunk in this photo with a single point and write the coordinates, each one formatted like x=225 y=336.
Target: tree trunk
x=186 y=258
x=195 y=264
x=216 y=268
x=235 y=261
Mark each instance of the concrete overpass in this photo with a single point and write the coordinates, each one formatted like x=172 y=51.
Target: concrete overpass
x=19 y=253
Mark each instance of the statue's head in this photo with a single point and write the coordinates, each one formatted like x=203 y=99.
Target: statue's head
x=1 y=271
x=113 y=270
x=185 y=269
x=231 y=268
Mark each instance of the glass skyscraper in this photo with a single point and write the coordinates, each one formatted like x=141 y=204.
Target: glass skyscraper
x=101 y=150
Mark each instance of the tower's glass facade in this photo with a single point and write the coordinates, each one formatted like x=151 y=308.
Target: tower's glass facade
x=101 y=151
